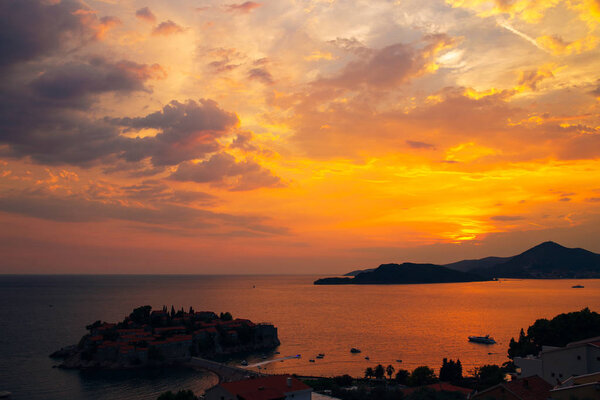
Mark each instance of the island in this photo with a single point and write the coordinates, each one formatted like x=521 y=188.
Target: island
x=403 y=274
x=547 y=260
x=152 y=338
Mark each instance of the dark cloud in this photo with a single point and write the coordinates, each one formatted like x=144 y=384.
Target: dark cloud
x=158 y=191
x=30 y=28
x=506 y=218
x=223 y=169
x=243 y=7
x=145 y=14
x=419 y=145
x=167 y=28
x=186 y=131
x=261 y=74
x=169 y=216
x=243 y=141
x=72 y=82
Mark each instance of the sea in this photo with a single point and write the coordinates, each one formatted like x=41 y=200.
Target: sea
x=402 y=325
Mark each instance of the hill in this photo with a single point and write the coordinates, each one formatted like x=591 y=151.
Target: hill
x=403 y=274
x=546 y=260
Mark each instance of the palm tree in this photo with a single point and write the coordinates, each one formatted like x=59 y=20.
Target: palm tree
x=390 y=370
x=379 y=371
x=369 y=372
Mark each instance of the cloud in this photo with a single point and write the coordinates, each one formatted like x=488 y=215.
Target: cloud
x=506 y=218
x=30 y=28
x=558 y=47
x=243 y=7
x=77 y=209
x=532 y=78
x=167 y=28
x=223 y=169
x=145 y=15
x=420 y=145
x=261 y=75
x=186 y=131
x=104 y=25
x=390 y=66
x=72 y=82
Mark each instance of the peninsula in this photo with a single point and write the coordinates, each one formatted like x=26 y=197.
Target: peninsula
x=148 y=338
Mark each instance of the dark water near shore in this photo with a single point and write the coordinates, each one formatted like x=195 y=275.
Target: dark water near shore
x=419 y=324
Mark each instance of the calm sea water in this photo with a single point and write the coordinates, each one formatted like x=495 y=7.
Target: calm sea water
x=418 y=324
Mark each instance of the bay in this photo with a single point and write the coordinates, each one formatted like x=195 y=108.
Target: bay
x=418 y=324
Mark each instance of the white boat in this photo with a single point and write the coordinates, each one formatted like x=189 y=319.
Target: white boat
x=321 y=355
x=244 y=363
x=487 y=339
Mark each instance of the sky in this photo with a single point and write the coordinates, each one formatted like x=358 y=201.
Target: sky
x=294 y=136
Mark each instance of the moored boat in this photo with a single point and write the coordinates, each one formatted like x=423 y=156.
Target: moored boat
x=487 y=339
x=354 y=350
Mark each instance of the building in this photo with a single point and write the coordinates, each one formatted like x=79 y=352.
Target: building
x=438 y=387
x=532 y=388
x=273 y=387
x=578 y=387
x=556 y=364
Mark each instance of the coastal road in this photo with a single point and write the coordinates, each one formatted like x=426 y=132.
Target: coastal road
x=270 y=361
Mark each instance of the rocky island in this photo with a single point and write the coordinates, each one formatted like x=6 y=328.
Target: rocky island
x=150 y=338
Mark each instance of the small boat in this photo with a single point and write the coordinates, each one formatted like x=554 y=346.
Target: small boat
x=367 y=358
x=577 y=287
x=354 y=350
x=264 y=357
x=244 y=363
x=398 y=360
x=311 y=360
x=321 y=355
x=487 y=339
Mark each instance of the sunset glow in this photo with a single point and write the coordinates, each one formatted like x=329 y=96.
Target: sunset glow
x=312 y=136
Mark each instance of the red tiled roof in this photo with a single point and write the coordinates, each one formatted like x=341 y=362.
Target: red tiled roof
x=595 y=343
x=438 y=387
x=262 y=394
x=530 y=388
x=275 y=383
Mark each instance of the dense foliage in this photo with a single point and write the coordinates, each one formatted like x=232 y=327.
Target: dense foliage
x=451 y=371
x=560 y=330
x=180 y=395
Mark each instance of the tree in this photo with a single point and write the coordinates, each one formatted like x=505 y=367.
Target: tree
x=379 y=371
x=402 y=376
x=180 y=395
x=172 y=311
x=560 y=330
x=225 y=316
x=488 y=376
x=389 y=370
x=450 y=371
x=422 y=376
x=369 y=372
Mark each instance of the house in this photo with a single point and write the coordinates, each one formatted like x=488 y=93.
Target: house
x=578 y=387
x=556 y=364
x=531 y=388
x=438 y=387
x=273 y=387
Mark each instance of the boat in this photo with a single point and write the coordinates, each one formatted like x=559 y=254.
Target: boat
x=399 y=360
x=577 y=286
x=354 y=350
x=244 y=363
x=311 y=360
x=321 y=355
x=367 y=358
x=487 y=339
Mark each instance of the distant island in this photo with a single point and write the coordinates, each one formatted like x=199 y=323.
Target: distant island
x=548 y=260
x=148 y=338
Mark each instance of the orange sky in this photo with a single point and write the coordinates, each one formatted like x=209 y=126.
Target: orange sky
x=312 y=136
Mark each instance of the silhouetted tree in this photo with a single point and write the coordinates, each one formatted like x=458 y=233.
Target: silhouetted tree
x=488 y=376
x=402 y=376
x=451 y=371
x=379 y=371
x=422 y=376
x=369 y=372
x=389 y=370
x=226 y=316
x=172 y=311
